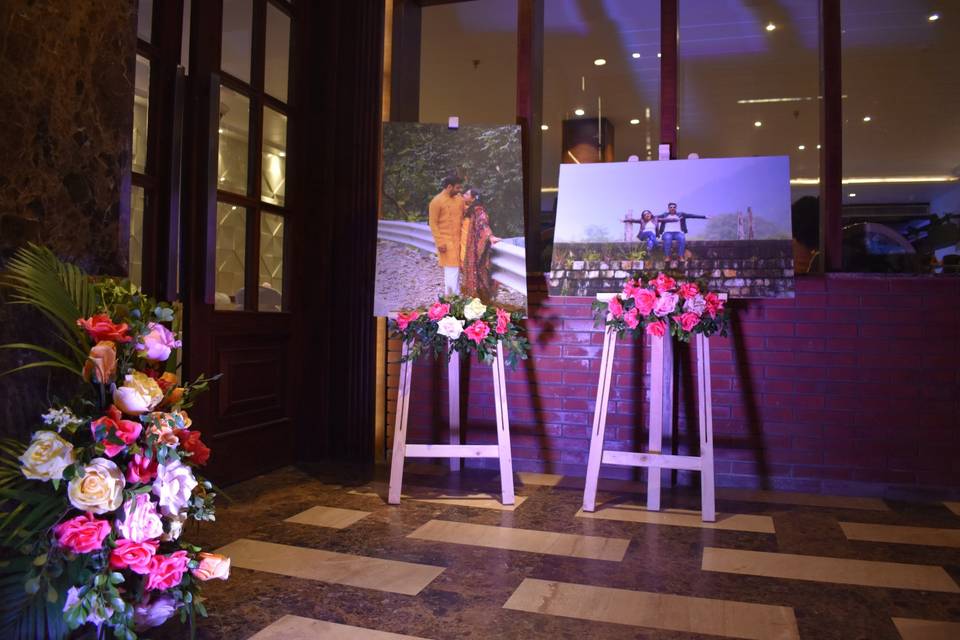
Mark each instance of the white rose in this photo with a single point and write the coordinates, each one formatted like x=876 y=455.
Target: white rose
x=99 y=489
x=46 y=457
x=696 y=304
x=474 y=310
x=450 y=327
x=173 y=486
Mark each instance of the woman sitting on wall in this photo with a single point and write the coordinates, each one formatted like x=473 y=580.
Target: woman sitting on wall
x=476 y=249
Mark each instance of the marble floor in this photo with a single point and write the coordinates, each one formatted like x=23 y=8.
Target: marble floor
x=319 y=554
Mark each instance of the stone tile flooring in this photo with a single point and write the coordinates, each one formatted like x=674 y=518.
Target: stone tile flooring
x=321 y=555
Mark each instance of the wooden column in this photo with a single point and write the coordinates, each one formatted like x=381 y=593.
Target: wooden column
x=669 y=35
x=529 y=115
x=831 y=136
x=405 y=61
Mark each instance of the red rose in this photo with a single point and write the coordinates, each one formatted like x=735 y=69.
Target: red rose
x=190 y=442
x=404 y=319
x=135 y=556
x=477 y=331
x=503 y=321
x=658 y=328
x=614 y=307
x=714 y=304
x=126 y=430
x=100 y=327
x=688 y=290
x=632 y=318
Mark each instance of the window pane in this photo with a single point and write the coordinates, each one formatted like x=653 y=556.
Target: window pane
x=277 y=58
x=271 y=262
x=901 y=135
x=145 y=19
x=273 y=185
x=141 y=109
x=237 y=29
x=136 y=235
x=185 y=38
x=231 y=255
x=234 y=134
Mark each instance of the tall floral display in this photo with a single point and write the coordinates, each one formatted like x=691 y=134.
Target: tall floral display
x=97 y=502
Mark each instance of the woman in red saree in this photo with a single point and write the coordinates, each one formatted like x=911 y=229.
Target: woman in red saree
x=476 y=253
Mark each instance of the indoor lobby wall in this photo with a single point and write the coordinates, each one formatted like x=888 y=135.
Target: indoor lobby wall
x=66 y=109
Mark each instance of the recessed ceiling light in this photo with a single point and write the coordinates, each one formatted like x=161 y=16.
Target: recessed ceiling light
x=802 y=147
x=853 y=195
x=770 y=26
x=818 y=146
x=578 y=112
x=220 y=130
x=599 y=62
x=544 y=127
x=282 y=154
x=758 y=124
x=867 y=118
x=635 y=54
x=659 y=55
x=933 y=17
x=635 y=121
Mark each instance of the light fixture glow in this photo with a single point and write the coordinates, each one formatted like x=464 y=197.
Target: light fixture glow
x=635 y=121
x=220 y=130
x=282 y=154
x=933 y=17
x=599 y=62
x=818 y=146
x=635 y=54
x=802 y=147
x=867 y=118
x=853 y=195
x=544 y=127
x=883 y=180
x=659 y=55
x=770 y=26
x=758 y=124
x=578 y=112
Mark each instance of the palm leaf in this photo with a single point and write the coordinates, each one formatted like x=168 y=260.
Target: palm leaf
x=26 y=616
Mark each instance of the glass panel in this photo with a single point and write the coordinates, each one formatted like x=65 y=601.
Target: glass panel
x=185 y=38
x=141 y=110
x=237 y=30
x=901 y=133
x=136 y=235
x=145 y=19
x=277 y=57
x=271 y=262
x=273 y=184
x=234 y=134
x=231 y=256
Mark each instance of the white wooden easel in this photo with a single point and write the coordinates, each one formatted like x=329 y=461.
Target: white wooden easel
x=654 y=460
x=454 y=450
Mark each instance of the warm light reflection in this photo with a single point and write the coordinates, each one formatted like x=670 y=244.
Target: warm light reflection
x=635 y=54
x=758 y=124
x=544 y=127
x=579 y=112
x=635 y=121
x=802 y=147
x=770 y=26
x=882 y=180
x=599 y=62
x=933 y=17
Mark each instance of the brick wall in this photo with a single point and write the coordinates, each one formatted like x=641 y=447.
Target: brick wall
x=853 y=386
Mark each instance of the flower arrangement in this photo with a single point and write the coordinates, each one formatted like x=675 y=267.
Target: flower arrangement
x=464 y=325
x=99 y=497
x=663 y=305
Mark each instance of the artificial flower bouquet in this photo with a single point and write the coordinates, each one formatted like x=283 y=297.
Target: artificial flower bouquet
x=663 y=305
x=464 y=325
x=98 y=500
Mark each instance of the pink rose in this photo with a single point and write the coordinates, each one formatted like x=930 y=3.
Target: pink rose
x=503 y=322
x=141 y=469
x=658 y=328
x=663 y=283
x=688 y=320
x=82 y=534
x=166 y=571
x=404 y=319
x=212 y=566
x=632 y=318
x=140 y=519
x=614 y=307
x=477 y=331
x=135 y=556
x=714 y=304
x=630 y=288
x=158 y=343
x=688 y=290
x=666 y=304
x=437 y=310
x=113 y=424
x=645 y=299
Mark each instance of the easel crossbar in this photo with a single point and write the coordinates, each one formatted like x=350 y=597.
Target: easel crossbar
x=452 y=450
x=633 y=459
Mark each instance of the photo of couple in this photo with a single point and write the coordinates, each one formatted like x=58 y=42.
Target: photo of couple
x=452 y=217
x=670 y=228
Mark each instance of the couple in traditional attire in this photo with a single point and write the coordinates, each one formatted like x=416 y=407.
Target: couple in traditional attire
x=461 y=231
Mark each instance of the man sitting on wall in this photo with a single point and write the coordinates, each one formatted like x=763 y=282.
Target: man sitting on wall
x=446 y=218
x=672 y=227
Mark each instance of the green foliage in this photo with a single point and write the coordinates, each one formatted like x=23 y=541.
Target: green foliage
x=418 y=156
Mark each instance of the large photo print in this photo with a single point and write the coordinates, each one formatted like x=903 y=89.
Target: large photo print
x=451 y=216
x=726 y=221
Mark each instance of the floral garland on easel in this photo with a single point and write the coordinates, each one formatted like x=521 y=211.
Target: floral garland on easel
x=463 y=325
x=662 y=305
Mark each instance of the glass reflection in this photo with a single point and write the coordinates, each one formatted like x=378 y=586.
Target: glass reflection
x=271 y=263
x=236 y=44
x=234 y=134
x=141 y=109
x=136 y=235
x=231 y=256
x=277 y=57
x=274 y=170
x=145 y=19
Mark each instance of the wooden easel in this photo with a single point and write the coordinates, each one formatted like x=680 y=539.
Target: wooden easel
x=661 y=369
x=454 y=450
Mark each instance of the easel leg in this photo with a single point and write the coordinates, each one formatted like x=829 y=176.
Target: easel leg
x=707 y=495
x=658 y=378
x=453 y=383
x=400 y=432
x=599 y=422
x=503 y=428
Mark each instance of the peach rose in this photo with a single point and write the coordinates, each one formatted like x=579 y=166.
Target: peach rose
x=135 y=556
x=101 y=364
x=212 y=566
x=166 y=571
x=82 y=534
x=99 y=489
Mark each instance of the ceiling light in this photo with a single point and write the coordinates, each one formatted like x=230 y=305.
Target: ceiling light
x=853 y=195
x=599 y=62
x=233 y=208
x=635 y=54
x=867 y=118
x=802 y=147
x=882 y=180
x=635 y=121
x=659 y=55
x=544 y=127
x=578 y=112
x=758 y=124
x=818 y=146
x=770 y=26
x=933 y=17
x=282 y=154
x=220 y=130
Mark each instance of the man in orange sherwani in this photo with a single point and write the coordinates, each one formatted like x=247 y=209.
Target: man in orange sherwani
x=446 y=219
